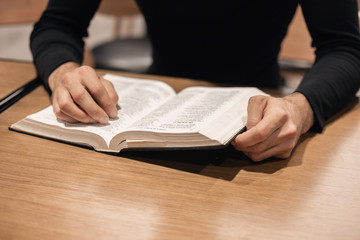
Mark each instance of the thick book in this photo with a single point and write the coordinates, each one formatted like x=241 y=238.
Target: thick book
x=151 y=116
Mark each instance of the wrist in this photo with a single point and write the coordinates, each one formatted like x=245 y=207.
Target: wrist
x=302 y=109
x=59 y=71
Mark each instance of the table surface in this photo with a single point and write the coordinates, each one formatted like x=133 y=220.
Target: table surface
x=52 y=190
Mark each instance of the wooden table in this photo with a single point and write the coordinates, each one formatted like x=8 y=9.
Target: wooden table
x=51 y=190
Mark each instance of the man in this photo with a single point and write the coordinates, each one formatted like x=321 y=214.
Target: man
x=233 y=40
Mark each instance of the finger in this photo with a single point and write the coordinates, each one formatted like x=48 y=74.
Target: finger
x=65 y=105
x=87 y=104
x=255 y=109
x=280 y=151
x=61 y=115
x=287 y=133
x=111 y=90
x=263 y=130
x=101 y=96
x=274 y=139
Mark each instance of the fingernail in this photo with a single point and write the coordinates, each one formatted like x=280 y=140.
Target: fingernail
x=113 y=114
x=104 y=120
x=92 y=120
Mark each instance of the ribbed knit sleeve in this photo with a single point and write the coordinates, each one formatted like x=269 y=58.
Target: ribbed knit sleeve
x=57 y=37
x=335 y=77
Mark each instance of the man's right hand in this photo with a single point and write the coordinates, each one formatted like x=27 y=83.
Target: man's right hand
x=80 y=95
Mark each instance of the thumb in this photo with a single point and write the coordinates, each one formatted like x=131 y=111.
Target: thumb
x=255 y=110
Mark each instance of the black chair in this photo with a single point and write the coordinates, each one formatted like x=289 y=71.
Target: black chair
x=124 y=54
x=129 y=55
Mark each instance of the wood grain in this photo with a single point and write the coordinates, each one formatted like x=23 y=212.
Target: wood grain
x=51 y=190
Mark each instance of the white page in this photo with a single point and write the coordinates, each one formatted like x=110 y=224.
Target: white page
x=191 y=109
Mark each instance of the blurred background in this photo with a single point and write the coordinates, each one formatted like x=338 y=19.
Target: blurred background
x=119 y=20
x=14 y=37
x=17 y=17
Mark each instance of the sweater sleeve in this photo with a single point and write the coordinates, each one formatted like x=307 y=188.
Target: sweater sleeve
x=334 y=78
x=57 y=37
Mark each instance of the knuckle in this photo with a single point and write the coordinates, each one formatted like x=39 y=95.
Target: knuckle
x=283 y=115
x=107 y=105
x=251 y=122
x=291 y=131
x=293 y=127
x=97 y=90
x=252 y=99
x=235 y=144
x=64 y=105
x=114 y=97
x=256 y=99
x=95 y=112
x=83 y=118
x=57 y=112
x=78 y=96
x=257 y=149
x=66 y=78
x=255 y=157
x=85 y=69
x=259 y=135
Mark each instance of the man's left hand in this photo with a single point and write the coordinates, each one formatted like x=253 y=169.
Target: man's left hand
x=274 y=126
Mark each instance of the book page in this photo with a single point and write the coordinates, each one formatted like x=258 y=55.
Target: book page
x=191 y=109
x=137 y=97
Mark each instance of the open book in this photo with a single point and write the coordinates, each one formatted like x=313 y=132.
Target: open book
x=152 y=115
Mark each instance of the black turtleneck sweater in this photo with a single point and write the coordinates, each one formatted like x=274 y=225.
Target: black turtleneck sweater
x=233 y=41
